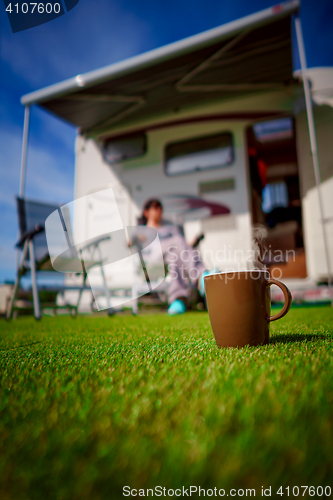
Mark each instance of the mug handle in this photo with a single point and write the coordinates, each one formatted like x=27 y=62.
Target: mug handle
x=287 y=299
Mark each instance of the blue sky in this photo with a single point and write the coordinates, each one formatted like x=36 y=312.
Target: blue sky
x=94 y=34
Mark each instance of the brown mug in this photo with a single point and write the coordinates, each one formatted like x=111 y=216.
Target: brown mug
x=239 y=306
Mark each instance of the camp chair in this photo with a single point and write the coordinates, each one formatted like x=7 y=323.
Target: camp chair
x=35 y=256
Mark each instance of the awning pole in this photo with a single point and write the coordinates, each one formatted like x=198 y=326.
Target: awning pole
x=24 y=150
x=23 y=165
x=313 y=143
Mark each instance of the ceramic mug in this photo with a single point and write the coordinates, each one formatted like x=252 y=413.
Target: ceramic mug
x=239 y=306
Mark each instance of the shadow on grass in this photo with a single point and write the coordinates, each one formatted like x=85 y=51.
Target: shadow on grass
x=298 y=337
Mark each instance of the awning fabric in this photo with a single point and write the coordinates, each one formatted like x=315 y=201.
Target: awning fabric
x=251 y=54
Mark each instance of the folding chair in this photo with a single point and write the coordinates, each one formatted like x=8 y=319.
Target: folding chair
x=35 y=256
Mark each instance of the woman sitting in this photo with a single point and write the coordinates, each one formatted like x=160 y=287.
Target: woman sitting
x=183 y=261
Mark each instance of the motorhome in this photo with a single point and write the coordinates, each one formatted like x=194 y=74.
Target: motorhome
x=215 y=126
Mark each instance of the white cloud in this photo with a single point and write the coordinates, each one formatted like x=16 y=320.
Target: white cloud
x=10 y=154
x=47 y=177
x=84 y=39
x=50 y=178
x=7 y=260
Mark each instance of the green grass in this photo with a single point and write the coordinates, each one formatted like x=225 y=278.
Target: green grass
x=92 y=404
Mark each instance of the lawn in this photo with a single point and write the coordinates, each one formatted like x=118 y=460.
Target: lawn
x=92 y=404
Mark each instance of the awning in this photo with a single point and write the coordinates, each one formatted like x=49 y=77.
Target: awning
x=247 y=55
x=321 y=84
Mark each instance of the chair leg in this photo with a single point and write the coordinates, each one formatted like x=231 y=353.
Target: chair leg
x=34 y=281
x=134 y=301
x=106 y=290
x=81 y=291
x=17 y=282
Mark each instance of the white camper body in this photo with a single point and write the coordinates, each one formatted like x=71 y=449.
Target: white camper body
x=322 y=94
x=145 y=177
x=215 y=86
x=228 y=242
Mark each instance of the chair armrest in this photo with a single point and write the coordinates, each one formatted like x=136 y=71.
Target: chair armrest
x=196 y=242
x=39 y=228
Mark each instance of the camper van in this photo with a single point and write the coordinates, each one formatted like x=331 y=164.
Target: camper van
x=216 y=127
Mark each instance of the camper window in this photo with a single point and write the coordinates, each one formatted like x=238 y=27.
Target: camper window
x=198 y=154
x=123 y=148
x=274 y=130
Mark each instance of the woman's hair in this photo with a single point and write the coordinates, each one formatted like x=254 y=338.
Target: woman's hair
x=142 y=221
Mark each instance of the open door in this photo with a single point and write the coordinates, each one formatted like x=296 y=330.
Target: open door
x=275 y=195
